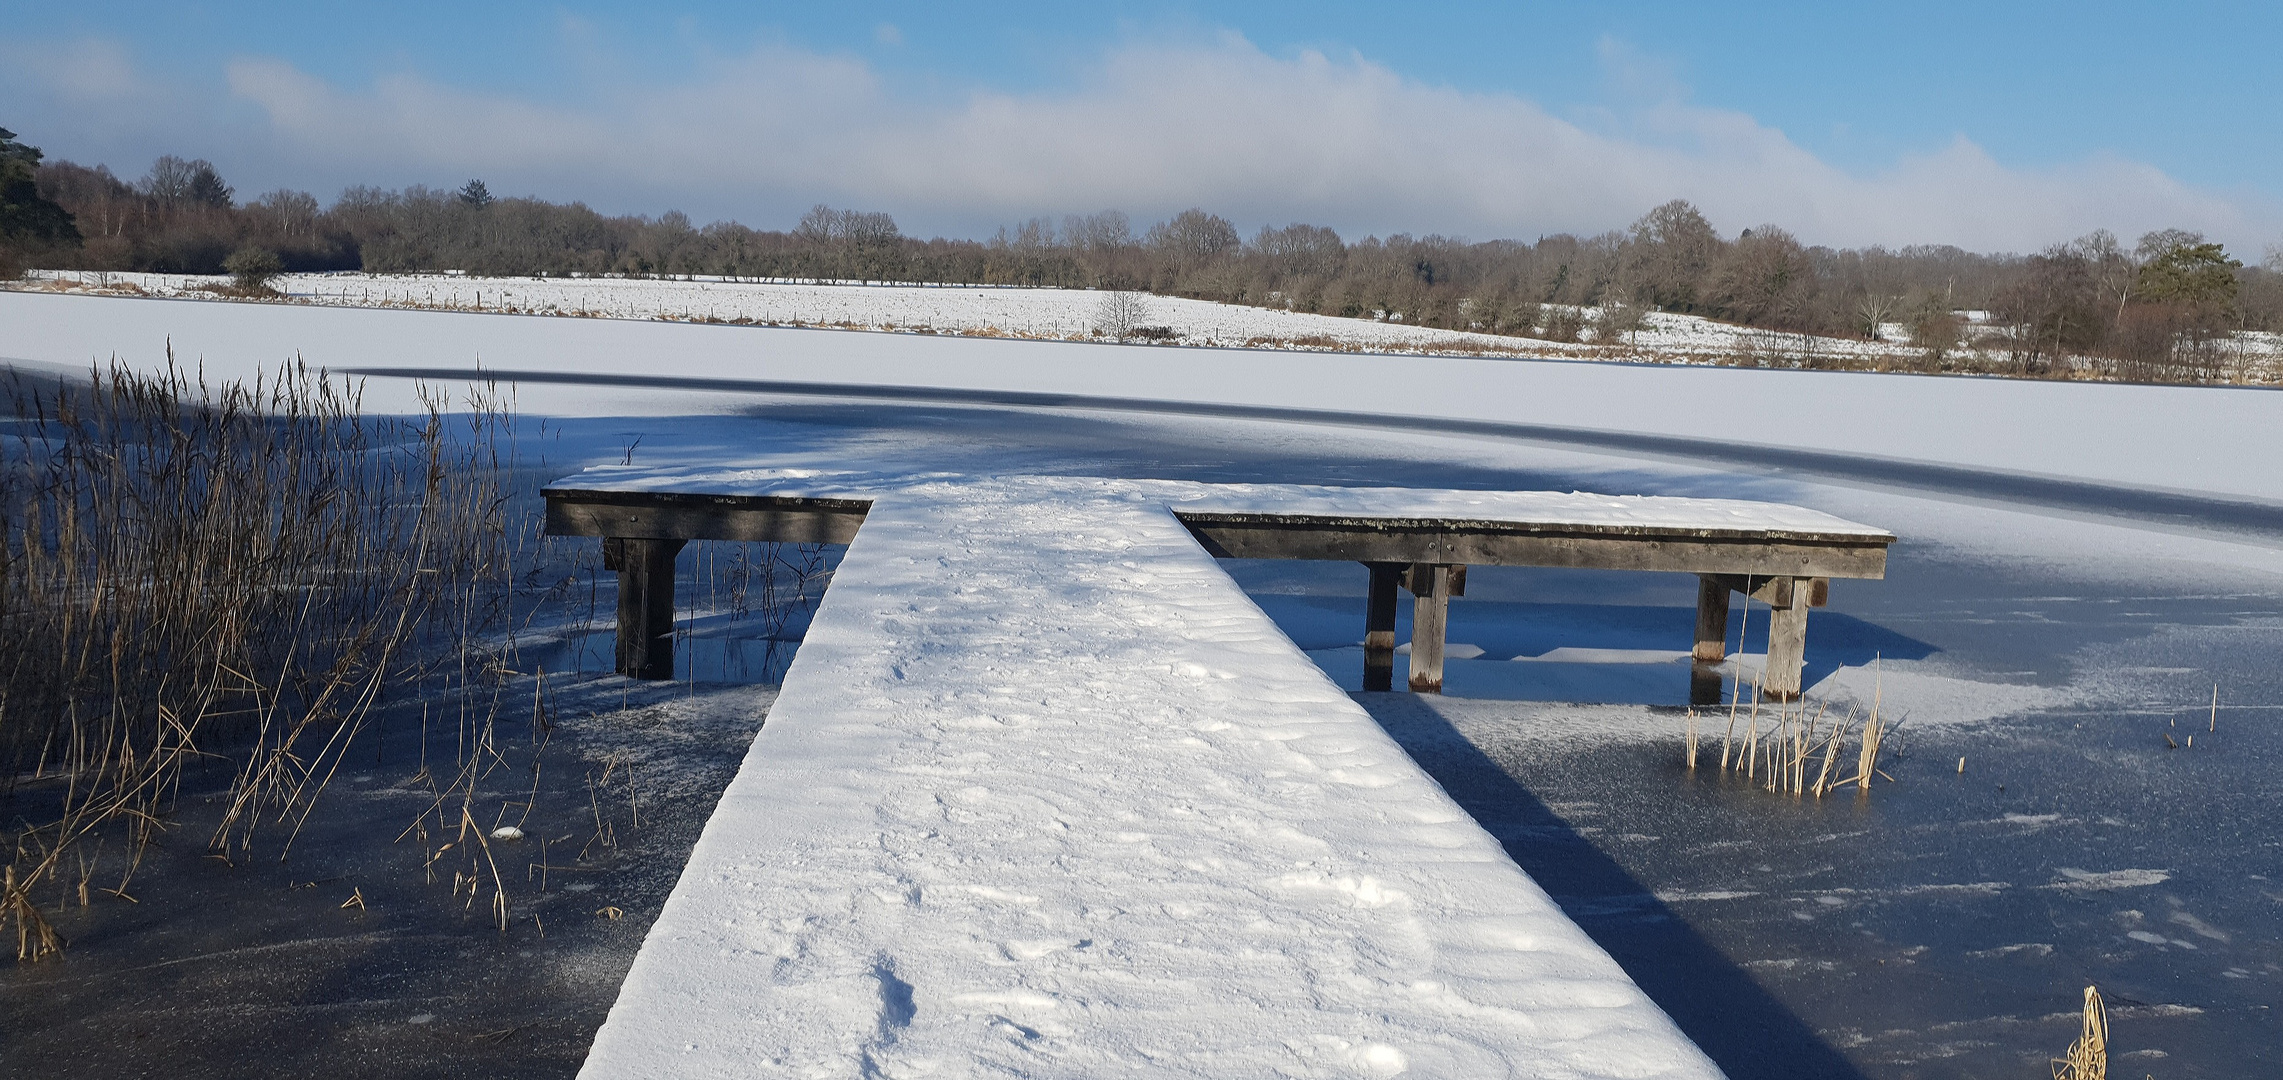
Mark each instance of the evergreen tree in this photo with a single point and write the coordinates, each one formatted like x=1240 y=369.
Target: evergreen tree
x=2193 y=273
x=24 y=213
x=207 y=188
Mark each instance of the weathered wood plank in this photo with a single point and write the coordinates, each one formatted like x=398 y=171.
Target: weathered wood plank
x=1503 y=544
x=1790 y=570
x=1774 y=591
x=677 y=516
x=1787 y=645
x=1458 y=580
x=1430 y=616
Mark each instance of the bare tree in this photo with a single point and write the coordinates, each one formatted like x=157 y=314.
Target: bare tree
x=174 y=181
x=1096 y=234
x=2053 y=309
x=853 y=243
x=169 y=180
x=1765 y=279
x=2114 y=269
x=1119 y=315
x=1873 y=311
x=1935 y=329
x=289 y=214
x=1668 y=254
x=1194 y=239
x=1619 y=321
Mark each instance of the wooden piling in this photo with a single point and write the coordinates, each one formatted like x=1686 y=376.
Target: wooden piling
x=645 y=606
x=1430 y=615
x=1787 y=638
x=1379 y=625
x=1711 y=619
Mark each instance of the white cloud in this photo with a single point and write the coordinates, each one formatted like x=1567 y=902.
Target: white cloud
x=1156 y=127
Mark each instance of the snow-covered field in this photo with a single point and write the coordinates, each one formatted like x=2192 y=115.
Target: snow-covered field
x=1036 y=313
x=1052 y=314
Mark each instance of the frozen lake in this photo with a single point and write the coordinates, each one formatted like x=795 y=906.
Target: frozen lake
x=2048 y=626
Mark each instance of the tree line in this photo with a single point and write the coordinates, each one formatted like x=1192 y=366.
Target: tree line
x=2162 y=308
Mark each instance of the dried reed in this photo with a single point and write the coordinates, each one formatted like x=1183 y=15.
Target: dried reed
x=1874 y=731
x=1799 y=752
x=238 y=571
x=2088 y=1057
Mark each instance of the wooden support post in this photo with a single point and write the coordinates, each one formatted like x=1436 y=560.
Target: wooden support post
x=1379 y=626
x=1711 y=639
x=645 y=606
x=1430 y=614
x=1787 y=641
x=1711 y=620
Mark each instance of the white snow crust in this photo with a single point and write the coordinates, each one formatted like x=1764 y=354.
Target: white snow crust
x=1045 y=795
x=2218 y=440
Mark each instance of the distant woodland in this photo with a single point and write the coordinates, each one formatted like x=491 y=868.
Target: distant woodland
x=2160 y=307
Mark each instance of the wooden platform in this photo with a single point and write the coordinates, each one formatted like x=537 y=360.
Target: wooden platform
x=1045 y=794
x=1409 y=539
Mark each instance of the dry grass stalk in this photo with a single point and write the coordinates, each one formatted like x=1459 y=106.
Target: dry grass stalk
x=1830 y=756
x=1867 y=762
x=35 y=938
x=1752 y=736
x=1799 y=752
x=1736 y=684
x=188 y=566
x=2088 y=1057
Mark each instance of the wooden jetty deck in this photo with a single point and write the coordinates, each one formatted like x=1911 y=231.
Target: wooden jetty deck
x=1414 y=540
x=1044 y=794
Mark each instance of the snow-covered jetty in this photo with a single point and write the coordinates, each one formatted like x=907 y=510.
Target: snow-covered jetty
x=1044 y=794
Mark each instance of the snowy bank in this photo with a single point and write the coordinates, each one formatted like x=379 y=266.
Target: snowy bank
x=978 y=310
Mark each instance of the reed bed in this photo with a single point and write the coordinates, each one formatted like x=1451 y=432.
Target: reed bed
x=1798 y=748
x=235 y=573
x=247 y=577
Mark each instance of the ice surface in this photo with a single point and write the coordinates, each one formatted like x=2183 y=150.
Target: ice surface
x=2216 y=440
x=1046 y=795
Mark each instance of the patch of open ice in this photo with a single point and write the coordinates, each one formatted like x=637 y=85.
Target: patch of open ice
x=2075 y=880
x=1571 y=655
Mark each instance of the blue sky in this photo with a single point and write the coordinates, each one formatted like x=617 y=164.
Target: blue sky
x=1995 y=126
